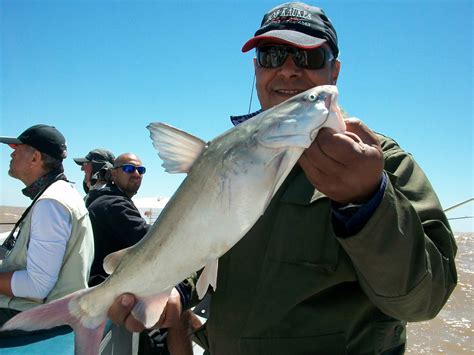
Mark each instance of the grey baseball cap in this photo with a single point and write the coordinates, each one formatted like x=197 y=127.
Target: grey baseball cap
x=97 y=156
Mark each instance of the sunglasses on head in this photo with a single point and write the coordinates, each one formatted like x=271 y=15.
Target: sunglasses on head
x=274 y=56
x=129 y=168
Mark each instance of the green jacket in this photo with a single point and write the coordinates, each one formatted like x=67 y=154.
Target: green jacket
x=291 y=286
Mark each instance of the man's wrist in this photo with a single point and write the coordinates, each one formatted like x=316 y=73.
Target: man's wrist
x=350 y=218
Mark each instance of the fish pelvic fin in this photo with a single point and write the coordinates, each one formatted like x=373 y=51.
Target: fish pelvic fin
x=56 y=313
x=112 y=260
x=148 y=310
x=208 y=278
x=178 y=149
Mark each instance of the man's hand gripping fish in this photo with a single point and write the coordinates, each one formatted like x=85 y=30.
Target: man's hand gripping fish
x=230 y=182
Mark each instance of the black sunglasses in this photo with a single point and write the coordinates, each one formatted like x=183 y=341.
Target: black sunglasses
x=129 y=168
x=274 y=56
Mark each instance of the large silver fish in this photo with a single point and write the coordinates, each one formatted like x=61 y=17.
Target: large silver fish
x=230 y=182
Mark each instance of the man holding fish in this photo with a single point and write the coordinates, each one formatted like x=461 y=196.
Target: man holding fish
x=353 y=245
x=328 y=240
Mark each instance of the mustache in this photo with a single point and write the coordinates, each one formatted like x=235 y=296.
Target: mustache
x=293 y=84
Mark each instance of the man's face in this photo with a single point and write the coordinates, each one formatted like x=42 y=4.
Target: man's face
x=21 y=162
x=275 y=85
x=129 y=183
x=87 y=169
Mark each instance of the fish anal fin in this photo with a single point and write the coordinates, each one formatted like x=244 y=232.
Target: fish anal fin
x=148 y=310
x=208 y=277
x=112 y=260
x=178 y=149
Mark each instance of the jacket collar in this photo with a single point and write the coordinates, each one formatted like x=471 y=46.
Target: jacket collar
x=239 y=119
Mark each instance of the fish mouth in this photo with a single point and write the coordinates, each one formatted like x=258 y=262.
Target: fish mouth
x=328 y=100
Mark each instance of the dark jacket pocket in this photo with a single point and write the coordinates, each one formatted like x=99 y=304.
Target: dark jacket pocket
x=333 y=344
x=390 y=336
x=305 y=248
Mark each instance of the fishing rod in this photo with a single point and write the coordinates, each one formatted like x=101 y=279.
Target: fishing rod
x=465 y=217
x=459 y=205
x=251 y=92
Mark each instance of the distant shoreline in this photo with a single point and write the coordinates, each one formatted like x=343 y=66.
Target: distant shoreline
x=8 y=217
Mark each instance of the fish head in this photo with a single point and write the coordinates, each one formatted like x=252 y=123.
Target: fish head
x=297 y=121
x=257 y=155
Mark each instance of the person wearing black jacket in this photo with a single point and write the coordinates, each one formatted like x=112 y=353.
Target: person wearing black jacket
x=116 y=221
x=117 y=224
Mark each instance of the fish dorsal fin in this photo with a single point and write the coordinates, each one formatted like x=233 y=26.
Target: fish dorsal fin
x=112 y=260
x=178 y=149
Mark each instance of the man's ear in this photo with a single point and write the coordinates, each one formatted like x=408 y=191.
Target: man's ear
x=112 y=174
x=36 y=162
x=36 y=157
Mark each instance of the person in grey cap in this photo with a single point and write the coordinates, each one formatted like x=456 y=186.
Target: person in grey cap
x=353 y=245
x=49 y=252
x=97 y=165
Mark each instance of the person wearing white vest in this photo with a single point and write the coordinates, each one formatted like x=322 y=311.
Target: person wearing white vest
x=49 y=252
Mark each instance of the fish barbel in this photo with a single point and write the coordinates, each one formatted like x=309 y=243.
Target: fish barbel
x=230 y=182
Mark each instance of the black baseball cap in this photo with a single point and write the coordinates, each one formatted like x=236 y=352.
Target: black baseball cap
x=44 y=138
x=97 y=156
x=296 y=24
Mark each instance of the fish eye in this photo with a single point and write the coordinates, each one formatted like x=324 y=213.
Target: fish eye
x=312 y=97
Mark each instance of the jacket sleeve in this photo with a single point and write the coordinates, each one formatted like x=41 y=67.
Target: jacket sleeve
x=404 y=255
x=125 y=221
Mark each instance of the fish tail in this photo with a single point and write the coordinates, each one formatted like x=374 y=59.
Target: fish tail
x=88 y=330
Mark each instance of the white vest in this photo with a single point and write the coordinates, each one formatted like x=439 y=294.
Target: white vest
x=78 y=256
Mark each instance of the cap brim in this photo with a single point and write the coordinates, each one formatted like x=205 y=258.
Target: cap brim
x=10 y=140
x=293 y=38
x=80 y=161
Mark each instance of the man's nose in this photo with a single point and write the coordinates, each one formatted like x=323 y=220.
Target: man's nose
x=135 y=172
x=289 y=68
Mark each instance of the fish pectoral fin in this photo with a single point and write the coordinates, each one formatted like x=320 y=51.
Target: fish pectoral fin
x=208 y=277
x=112 y=260
x=178 y=149
x=148 y=310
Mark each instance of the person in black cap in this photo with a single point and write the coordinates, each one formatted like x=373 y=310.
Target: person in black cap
x=116 y=221
x=117 y=225
x=96 y=166
x=353 y=245
x=49 y=252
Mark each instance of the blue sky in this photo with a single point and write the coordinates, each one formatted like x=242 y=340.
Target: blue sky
x=100 y=71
